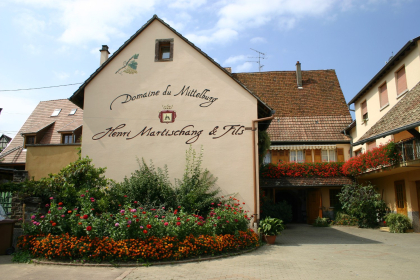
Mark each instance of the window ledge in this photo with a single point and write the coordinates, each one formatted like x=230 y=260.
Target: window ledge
x=383 y=107
x=402 y=93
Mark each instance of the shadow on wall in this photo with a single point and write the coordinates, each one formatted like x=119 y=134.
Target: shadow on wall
x=296 y=235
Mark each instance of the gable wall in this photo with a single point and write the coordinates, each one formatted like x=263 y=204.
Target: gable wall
x=229 y=157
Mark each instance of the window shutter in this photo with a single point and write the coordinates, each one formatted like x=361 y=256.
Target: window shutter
x=383 y=95
x=340 y=154
x=371 y=145
x=317 y=156
x=364 y=107
x=308 y=156
x=401 y=81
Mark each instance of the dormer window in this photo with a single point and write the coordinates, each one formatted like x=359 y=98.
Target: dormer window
x=56 y=113
x=29 y=140
x=68 y=139
x=164 y=50
x=72 y=112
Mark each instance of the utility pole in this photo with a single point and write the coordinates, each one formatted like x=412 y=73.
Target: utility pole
x=260 y=56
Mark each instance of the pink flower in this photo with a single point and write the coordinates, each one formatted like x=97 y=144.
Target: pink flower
x=82 y=195
x=133 y=210
x=51 y=198
x=33 y=217
x=166 y=223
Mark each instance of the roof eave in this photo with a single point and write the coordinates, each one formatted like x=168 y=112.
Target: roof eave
x=384 y=134
x=401 y=53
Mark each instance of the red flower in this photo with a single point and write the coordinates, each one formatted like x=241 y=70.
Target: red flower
x=128 y=225
x=69 y=211
x=144 y=212
x=54 y=224
x=178 y=218
x=178 y=223
x=60 y=203
x=88 y=228
x=149 y=226
x=176 y=211
x=137 y=220
x=85 y=216
x=145 y=231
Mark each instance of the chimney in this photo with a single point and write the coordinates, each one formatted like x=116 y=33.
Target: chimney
x=229 y=69
x=104 y=54
x=298 y=75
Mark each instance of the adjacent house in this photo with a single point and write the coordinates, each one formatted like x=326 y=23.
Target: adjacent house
x=47 y=141
x=159 y=94
x=4 y=141
x=387 y=109
x=310 y=115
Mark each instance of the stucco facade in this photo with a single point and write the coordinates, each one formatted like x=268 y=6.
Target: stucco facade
x=46 y=159
x=154 y=110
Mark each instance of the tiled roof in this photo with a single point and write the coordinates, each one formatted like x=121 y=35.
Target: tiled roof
x=71 y=126
x=312 y=129
x=297 y=110
x=321 y=94
x=404 y=114
x=305 y=182
x=40 y=118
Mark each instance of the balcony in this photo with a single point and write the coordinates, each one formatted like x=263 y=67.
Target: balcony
x=409 y=150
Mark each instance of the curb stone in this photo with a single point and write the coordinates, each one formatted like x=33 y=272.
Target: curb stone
x=199 y=259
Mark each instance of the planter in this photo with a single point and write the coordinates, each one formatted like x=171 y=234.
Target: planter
x=271 y=239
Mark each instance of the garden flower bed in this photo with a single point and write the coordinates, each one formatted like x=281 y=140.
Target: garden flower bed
x=306 y=169
x=136 y=233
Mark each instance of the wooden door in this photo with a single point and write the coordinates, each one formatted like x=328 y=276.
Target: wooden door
x=314 y=205
x=400 y=198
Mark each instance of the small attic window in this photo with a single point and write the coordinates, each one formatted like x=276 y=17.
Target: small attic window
x=164 y=50
x=72 y=112
x=56 y=113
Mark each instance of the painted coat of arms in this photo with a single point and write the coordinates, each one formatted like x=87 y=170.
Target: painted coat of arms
x=167 y=115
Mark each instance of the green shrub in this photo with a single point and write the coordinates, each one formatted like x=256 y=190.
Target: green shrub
x=195 y=191
x=321 y=222
x=271 y=226
x=343 y=219
x=280 y=210
x=363 y=203
x=397 y=223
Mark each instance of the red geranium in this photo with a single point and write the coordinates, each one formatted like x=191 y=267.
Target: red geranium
x=149 y=226
x=85 y=216
x=145 y=231
x=54 y=224
x=88 y=228
x=60 y=203
x=178 y=223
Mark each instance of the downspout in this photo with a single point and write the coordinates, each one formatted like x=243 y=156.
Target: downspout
x=255 y=163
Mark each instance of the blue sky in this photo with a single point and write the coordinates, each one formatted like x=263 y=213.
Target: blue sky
x=54 y=42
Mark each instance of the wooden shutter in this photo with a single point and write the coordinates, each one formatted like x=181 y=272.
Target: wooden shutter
x=383 y=95
x=317 y=156
x=340 y=154
x=284 y=155
x=308 y=156
x=401 y=81
x=371 y=145
x=364 y=108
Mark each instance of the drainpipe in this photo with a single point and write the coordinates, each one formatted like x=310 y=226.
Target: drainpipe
x=255 y=163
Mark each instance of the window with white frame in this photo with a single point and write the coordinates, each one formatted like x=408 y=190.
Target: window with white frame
x=328 y=156
x=297 y=156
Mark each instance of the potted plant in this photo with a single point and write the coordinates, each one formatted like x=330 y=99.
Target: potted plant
x=270 y=228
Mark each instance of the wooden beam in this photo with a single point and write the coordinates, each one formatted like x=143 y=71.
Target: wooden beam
x=414 y=132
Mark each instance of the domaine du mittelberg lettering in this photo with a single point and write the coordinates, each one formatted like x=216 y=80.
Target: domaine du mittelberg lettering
x=188 y=131
x=185 y=91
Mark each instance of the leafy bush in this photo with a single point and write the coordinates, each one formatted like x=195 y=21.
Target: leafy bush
x=271 y=226
x=133 y=221
x=321 y=222
x=343 y=219
x=195 y=191
x=280 y=210
x=397 y=223
x=363 y=203
x=148 y=185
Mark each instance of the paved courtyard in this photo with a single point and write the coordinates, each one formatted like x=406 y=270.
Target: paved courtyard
x=301 y=252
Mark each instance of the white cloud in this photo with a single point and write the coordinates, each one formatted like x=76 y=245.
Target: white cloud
x=235 y=59
x=186 y=4
x=258 y=40
x=30 y=25
x=61 y=75
x=219 y=36
x=245 y=67
x=90 y=20
x=32 y=49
